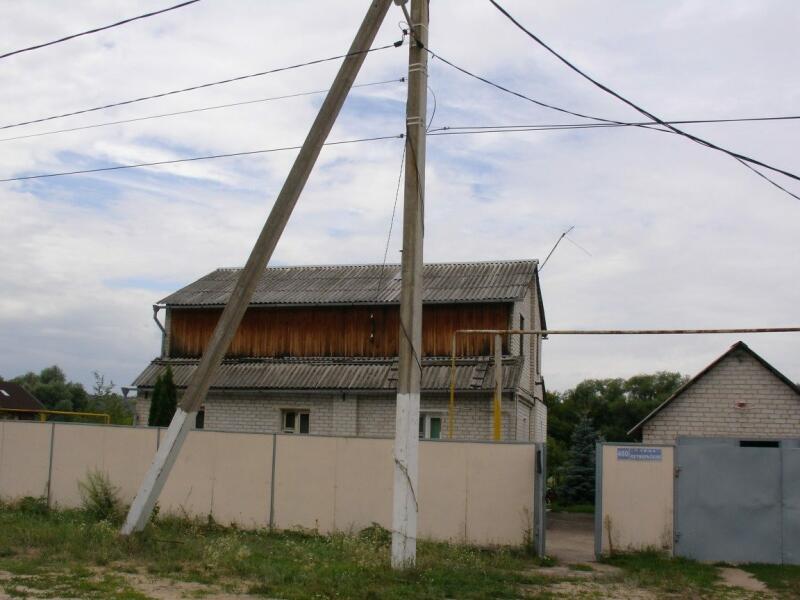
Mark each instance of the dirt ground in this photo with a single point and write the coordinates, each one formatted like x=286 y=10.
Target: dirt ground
x=570 y=537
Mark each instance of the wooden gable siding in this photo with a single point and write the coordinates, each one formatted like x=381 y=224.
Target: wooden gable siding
x=359 y=331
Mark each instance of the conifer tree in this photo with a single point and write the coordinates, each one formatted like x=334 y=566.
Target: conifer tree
x=578 y=484
x=164 y=401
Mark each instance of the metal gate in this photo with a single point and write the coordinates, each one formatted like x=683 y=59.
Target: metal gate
x=539 y=508
x=737 y=501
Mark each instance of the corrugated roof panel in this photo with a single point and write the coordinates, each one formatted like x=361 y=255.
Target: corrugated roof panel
x=355 y=374
x=443 y=282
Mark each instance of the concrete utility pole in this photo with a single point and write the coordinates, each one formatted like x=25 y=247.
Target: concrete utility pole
x=242 y=293
x=406 y=440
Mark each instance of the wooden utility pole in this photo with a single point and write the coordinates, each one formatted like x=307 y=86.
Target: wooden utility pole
x=242 y=293
x=406 y=441
x=497 y=408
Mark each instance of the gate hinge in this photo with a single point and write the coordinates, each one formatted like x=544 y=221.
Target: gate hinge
x=677 y=472
x=677 y=537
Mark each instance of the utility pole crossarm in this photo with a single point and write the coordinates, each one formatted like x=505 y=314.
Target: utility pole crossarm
x=250 y=275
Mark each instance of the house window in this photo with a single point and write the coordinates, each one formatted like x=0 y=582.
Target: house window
x=430 y=426
x=296 y=421
x=521 y=336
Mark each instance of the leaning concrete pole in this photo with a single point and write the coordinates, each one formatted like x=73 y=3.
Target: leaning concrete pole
x=248 y=279
x=406 y=441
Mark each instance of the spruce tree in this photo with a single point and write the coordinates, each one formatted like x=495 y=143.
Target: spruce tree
x=578 y=485
x=164 y=401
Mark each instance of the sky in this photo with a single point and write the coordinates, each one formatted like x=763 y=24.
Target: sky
x=667 y=234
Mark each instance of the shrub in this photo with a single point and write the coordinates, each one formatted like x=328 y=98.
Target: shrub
x=376 y=534
x=32 y=506
x=100 y=498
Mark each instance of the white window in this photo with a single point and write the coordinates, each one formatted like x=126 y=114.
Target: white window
x=430 y=426
x=296 y=421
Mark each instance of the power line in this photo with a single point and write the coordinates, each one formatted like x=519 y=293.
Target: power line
x=191 y=110
x=203 y=85
x=740 y=157
x=195 y=158
x=97 y=29
x=533 y=127
x=590 y=117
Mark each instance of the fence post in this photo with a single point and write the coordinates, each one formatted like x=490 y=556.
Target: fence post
x=272 y=483
x=598 y=499
x=50 y=463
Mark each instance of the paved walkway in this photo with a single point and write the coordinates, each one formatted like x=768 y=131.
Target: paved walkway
x=570 y=537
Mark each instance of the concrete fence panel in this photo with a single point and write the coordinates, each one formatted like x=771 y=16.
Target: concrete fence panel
x=189 y=490
x=364 y=479
x=635 y=498
x=24 y=473
x=242 y=478
x=305 y=482
x=122 y=453
x=443 y=491
x=499 y=492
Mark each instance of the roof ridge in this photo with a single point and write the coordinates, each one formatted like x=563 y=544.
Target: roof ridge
x=387 y=265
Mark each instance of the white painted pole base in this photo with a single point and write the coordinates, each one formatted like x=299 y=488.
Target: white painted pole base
x=153 y=483
x=404 y=505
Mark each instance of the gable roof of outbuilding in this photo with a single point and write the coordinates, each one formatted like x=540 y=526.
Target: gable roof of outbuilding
x=495 y=281
x=737 y=347
x=14 y=396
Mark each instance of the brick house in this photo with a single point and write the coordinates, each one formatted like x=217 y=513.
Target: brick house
x=316 y=351
x=739 y=395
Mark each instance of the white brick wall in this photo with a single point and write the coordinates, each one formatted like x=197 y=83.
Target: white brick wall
x=539 y=433
x=523 y=421
x=351 y=414
x=707 y=408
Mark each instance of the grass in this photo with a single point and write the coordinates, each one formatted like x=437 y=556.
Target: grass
x=67 y=553
x=784 y=579
x=669 y=574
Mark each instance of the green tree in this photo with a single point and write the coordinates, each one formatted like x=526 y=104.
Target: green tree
x=164 y=400
x=578 y=484
x=104 y=400
x=51 y=387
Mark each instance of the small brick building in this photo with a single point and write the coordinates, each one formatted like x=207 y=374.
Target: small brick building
x=739 y=395
x=316 y=352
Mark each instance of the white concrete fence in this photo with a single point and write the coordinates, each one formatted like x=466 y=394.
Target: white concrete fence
x=476 y=493
x=634 y=498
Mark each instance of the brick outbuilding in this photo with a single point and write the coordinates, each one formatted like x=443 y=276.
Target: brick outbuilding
x=739 y=395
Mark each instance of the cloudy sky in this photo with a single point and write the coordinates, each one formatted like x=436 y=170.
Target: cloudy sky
x=677 y=235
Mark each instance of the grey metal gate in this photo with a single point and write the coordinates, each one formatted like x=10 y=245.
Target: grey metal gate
x=539 y=508
x=737 y=501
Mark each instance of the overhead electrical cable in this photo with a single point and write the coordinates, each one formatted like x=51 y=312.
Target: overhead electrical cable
x=610 y=122
x=203 y=85
x=97 y=29
x=701 y=141
x=191 y=110
x=556 y=126
x=195 y=158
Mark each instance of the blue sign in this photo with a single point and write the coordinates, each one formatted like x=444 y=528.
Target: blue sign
x=639 y=454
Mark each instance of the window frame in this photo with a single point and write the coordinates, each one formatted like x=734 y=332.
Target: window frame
x=425 y=424
x=298 y=413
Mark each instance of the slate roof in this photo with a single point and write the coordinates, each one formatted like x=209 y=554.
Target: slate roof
x=737 y=347
x=335 y=374
x=497 y=281
x=13 y=395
